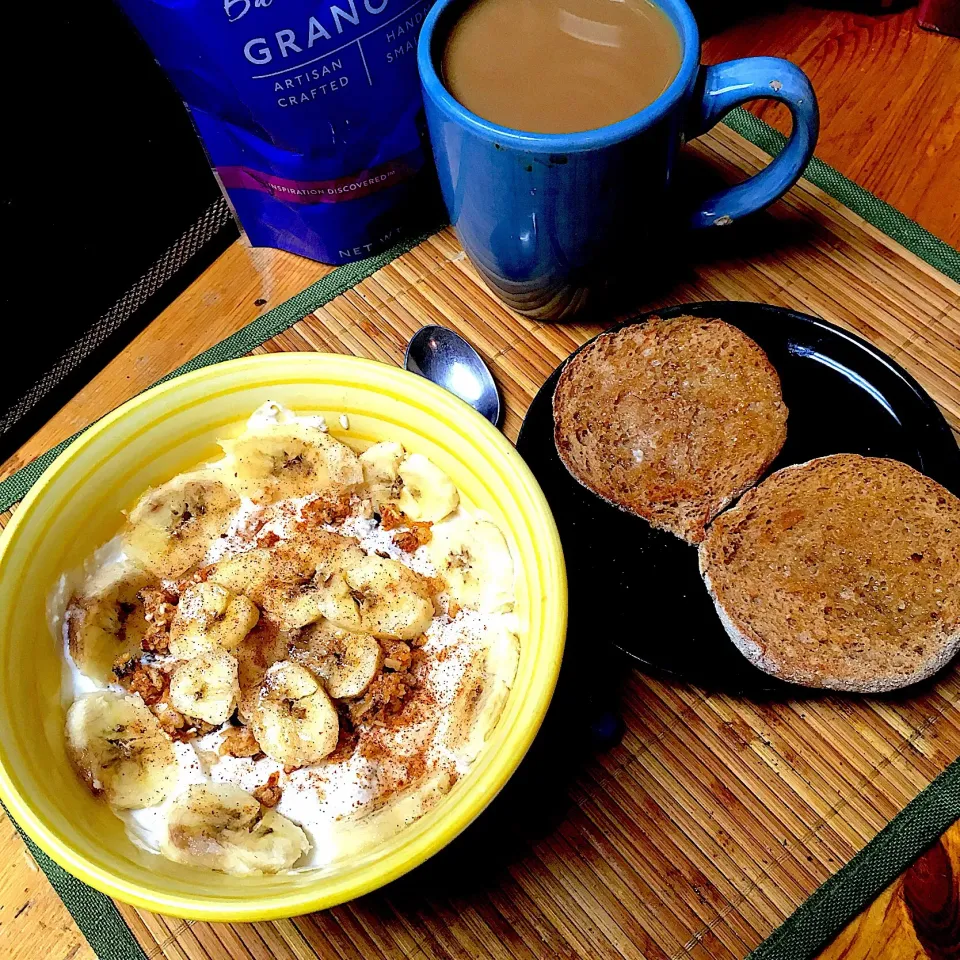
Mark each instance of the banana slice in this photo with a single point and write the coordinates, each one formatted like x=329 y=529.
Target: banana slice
x=290 y=460
x=474 y=559
x=392 y=600
x=338 y=603
x=209 y=617
x=108 y=625
x=172 y=526
x=294 y=720
x=489 y=676
x=206 y=687
x=222 y=827
x=346 y=662
x=380 y=465
x=260 y=649
x=292 y=579
x=305 y=581
x=427 y=492
x=120 y=750
x=244 y=572
x=328 y=576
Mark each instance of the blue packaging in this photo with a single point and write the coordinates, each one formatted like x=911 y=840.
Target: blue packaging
x=310 y=113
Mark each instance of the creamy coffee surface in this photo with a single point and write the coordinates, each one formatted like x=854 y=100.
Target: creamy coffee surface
x=560 y=66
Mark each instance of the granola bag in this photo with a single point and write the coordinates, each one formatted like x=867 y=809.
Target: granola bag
x=309 y=111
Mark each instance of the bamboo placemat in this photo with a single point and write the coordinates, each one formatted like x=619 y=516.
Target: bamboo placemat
x=715 y=817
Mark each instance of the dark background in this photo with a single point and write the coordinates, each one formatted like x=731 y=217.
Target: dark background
x=101 y=173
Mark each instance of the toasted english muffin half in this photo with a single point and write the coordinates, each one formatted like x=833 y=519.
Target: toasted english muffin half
x=842 y=573
x=670 y=419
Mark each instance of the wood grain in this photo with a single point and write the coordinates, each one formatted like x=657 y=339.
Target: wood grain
x=916 y=918
x=889 y=97
x=33 y=920
x=239 y=286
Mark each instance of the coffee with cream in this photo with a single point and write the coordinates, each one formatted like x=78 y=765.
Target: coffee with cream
x=560 y=66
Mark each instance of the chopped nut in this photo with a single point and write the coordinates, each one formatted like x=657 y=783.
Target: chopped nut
x=240 y=742
x=156 y=641
x=391 y=517
x=396 y=651
x=424 y=531
x=418 y=535
x=269 y=793
x=148 y=681
x=406 y=540
x=174 y=723
x=159 y=606
x=322 y=510
x=268 y=539
x=384 y=697
x=392 y=664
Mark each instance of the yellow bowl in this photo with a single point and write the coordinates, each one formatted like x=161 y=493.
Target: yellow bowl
x=75 y=506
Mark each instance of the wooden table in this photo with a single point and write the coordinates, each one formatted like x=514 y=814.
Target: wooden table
x=883 y=84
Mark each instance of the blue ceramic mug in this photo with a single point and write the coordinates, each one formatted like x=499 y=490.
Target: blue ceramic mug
x=549 y=218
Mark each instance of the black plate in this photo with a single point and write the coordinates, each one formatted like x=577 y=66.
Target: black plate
x=640 y=587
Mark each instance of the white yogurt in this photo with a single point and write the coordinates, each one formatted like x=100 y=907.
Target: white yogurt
x=337 y=803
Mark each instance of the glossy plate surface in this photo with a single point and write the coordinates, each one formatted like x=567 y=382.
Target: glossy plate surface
x=844 y=396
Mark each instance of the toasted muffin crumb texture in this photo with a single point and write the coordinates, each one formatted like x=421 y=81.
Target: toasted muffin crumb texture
x=843 y=572
x=670 y=419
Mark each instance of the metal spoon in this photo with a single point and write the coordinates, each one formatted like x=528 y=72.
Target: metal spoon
x=440 y=355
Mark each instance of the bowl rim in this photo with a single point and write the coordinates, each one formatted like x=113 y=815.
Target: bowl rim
x=374 y=873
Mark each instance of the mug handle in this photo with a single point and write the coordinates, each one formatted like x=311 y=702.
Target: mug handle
x=725 y=86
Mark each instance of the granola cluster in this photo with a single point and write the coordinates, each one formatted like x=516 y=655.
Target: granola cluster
x=159 y=608
x=152 y=683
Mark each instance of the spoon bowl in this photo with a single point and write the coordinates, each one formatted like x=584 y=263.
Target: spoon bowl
x=443 y=356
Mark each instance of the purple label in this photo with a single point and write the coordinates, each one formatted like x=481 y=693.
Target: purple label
x=350 y=187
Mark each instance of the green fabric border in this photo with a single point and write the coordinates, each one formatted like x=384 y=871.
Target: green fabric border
x=854 y=886
x=97 y=916
x=890 y=220
x=841 y=897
